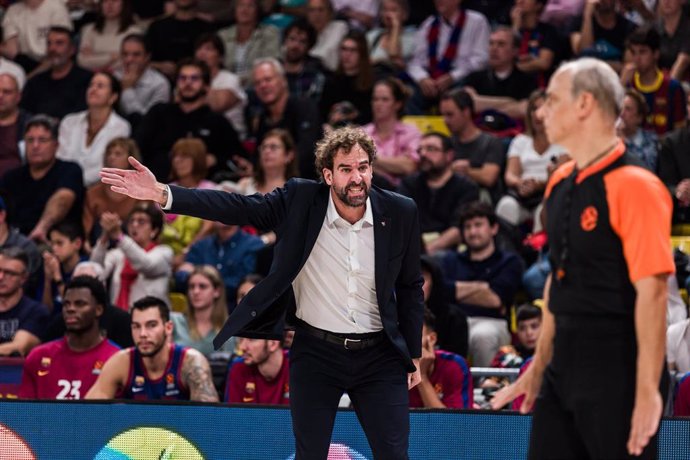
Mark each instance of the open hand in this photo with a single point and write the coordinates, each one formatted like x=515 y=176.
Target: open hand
x=138 y=183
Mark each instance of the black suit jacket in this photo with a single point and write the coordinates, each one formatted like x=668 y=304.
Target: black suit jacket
x=296 y=214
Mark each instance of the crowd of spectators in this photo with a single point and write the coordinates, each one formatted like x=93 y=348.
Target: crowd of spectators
x=234 y=96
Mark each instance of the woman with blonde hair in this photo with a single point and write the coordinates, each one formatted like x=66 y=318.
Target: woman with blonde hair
x=206 y=313
x=99 y=197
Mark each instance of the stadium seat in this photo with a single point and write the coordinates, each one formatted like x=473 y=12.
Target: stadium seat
x=427 y=123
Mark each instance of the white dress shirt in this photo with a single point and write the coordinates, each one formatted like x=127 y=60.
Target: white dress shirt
x=473 y=50
x=72 y=142
x=336 y=290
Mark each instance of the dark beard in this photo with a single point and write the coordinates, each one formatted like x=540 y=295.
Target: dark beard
x=342 y=194
x=193 y=98
x=431 y=171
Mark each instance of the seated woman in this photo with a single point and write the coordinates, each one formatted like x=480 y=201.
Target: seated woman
x=276 y=165
x=100 y=41
x=530 y=158
x=188 y=169
x=84 y=135
x=392 y=44
x=137 y=266
x=206 y=312
x=347 y=93
x=396 y=142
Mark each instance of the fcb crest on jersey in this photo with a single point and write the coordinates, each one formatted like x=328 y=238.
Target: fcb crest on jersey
x=139 y=381
x=250 y=388
x=97 y=366
x=45 y=361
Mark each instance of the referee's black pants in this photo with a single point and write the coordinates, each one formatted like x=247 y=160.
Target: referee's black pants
x=375 y=378
x=586 y=401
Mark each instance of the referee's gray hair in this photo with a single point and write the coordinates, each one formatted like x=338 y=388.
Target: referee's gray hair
x=273 y=62
x=590 y=75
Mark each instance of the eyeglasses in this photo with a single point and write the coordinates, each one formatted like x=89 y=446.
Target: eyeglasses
x=12 y=273
x=428 y=148
x=270 y=147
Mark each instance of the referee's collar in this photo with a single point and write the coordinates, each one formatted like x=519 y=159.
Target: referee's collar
x=332 y=215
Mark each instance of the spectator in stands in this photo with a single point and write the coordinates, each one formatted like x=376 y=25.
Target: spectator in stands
x=681 y=406
x=45 y=190
x=66 y=241
x=189 y=116
x=22 y=320
x=68 y=368
x=674 y=169
x=99 y=197
x=188 y=170
x=279 y=109
x=207 y=310
x=330 y=32
x=100 y=42
x=59 y=86
x=261 y=375
x=678 y=347
x=277 y=163
x=439 y=192
x=450 y=45
x=478 y=155
x=8 y=66
x=360 y=14
x=137 y=266
x=601 y=33
x=225 y=95
x=391 y=44
x=114 y=323
x=230 y=249
x=451 y=322
x=530 y=159
x=528 y=320
x=502 y=87
x=161 y=369
x=172 y=37
x=11 y=237
x=142 y=85
x=25 y=24
x=562 y=13
x=248 y=40
x=665 y=96
x=482 y=280
x=83 y=136
x=351 y=84
x=305 y=74
x=446 y=378
x=12 y=121
x=674 y=27
x=539 y=41
x=396 y=142
x=639 y=142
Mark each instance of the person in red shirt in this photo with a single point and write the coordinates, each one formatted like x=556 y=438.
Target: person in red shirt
x=261 y=375
x=446 y=378
x=67 y=368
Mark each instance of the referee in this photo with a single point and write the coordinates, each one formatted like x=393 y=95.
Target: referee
x=599 y=363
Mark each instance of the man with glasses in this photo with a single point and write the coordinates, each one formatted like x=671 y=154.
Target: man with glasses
x=45 y=190
x=438 y=192
x=188 y=116
x=21 y=319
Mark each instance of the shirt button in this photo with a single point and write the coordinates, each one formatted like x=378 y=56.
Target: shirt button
x=253 y=313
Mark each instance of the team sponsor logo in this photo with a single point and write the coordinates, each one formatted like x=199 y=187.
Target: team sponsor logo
x=170 y=382
x=286 y=391
x=438 y=388
x=247 y=399
x=43 y=373
x=588 y=218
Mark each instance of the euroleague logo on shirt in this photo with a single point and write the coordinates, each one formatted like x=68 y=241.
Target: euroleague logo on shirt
x=589 y=218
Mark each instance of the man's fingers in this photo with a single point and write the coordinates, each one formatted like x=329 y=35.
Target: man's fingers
x=504 y=396
x=527 y=403
x=135 y=164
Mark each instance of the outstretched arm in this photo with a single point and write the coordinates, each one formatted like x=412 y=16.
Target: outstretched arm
x=196 y=374
x=138 y=183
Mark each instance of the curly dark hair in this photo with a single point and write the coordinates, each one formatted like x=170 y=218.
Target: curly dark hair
x=342 y=139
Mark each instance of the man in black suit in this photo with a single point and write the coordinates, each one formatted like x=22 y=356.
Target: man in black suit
x=345 y=273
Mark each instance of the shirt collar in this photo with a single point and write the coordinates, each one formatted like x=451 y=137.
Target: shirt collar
x=332 y=215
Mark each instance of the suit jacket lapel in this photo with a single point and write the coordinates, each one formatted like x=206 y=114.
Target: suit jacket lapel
x=382 y=230
x=317 y=214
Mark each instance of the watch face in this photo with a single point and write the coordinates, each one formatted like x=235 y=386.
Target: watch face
x=149 y=443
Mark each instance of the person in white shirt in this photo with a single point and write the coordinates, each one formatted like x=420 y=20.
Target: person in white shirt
x=330 y=32
x=142 y=86
x=10 y=67
x=84 y=135
x=461 y=47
